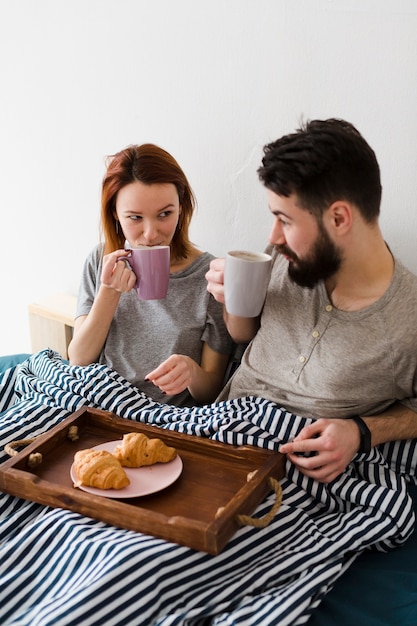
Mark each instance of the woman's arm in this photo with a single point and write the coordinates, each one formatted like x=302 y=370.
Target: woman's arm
x=180 y=372
x=90 y=331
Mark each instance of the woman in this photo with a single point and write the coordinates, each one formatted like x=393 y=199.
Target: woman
x=175 y=350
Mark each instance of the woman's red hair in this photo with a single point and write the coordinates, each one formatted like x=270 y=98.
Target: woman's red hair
x=150 y=165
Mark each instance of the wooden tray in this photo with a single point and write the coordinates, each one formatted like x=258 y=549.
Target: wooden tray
x=198 y=510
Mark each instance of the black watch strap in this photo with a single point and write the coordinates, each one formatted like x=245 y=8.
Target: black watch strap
x=365 y=433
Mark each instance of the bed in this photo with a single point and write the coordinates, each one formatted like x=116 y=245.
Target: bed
x=341 y=554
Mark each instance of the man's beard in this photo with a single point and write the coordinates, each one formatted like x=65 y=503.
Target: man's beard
x=323 y=261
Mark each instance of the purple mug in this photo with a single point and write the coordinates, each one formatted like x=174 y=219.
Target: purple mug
x=151 y=266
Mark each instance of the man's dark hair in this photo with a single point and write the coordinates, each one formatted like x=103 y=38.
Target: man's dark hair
x=321 y=162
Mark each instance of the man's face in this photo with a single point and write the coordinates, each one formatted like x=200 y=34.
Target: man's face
x=304 y=241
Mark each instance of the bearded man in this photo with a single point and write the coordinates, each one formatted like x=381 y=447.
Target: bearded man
x=337 y=336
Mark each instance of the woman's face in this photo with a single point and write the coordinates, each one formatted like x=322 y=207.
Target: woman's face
x=148 y=214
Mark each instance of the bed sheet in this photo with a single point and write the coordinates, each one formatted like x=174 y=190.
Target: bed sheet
x=61 y=567
x=10 y=360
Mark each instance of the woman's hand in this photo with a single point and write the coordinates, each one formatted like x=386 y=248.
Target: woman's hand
x=324 y=449
x=174 y=375
x=116 y=274
x=180 y=372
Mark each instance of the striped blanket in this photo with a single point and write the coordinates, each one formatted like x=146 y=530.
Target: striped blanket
x=59 y=567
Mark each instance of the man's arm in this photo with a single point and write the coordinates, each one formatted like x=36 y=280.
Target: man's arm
x=241 y=329
x=335 y=442
x=397 y=422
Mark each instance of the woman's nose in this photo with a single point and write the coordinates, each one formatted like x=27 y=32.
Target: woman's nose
x=150 y=232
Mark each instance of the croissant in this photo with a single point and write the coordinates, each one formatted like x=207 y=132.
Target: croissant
x=99 y=468
x=137 y=450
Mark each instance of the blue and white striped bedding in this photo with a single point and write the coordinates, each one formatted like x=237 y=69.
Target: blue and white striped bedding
x=59 y=567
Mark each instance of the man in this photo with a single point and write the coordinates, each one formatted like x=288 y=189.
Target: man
x=337 y=337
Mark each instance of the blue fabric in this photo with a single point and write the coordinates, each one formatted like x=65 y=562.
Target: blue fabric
x=377 y=590
x=11 y=360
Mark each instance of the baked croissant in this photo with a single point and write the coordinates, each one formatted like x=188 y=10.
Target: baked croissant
x=99 y=468
x=137 y=450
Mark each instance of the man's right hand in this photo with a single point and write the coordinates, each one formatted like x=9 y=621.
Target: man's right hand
x=215 y=279
x=241 y=329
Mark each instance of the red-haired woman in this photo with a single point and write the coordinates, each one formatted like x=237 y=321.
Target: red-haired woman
x=175 y=350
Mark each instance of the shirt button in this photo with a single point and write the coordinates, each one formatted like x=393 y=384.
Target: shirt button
x=316 y=334
x=329 y=307
x=302 y=359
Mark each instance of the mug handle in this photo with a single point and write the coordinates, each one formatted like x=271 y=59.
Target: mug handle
x=123 y=258
x=127 y=259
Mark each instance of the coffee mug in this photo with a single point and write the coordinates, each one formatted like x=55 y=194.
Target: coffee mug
x=151 y=265
x=246 y=278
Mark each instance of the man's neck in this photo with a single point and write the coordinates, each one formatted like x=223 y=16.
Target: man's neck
x=363 y=278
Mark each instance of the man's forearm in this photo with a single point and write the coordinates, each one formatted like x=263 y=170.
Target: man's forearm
x=397 y=422
x=241 y=329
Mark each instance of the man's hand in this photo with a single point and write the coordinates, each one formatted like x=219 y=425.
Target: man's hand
x=324 y=449
x=241 y=329
x=215 y=279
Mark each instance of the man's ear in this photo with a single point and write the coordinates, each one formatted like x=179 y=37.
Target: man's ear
x=340 y=216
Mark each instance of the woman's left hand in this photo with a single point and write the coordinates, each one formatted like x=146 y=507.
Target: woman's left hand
x=173 y=375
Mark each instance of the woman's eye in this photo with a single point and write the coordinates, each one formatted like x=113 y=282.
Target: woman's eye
x=165 y=214
x=135 y=217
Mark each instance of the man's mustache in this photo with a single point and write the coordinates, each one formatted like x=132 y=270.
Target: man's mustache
x=282 y=249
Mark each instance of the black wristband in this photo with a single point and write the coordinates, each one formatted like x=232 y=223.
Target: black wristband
x=365 y=433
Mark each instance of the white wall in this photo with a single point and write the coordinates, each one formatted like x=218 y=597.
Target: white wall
x=209 y=81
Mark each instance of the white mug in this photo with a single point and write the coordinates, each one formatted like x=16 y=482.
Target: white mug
x=246 y=278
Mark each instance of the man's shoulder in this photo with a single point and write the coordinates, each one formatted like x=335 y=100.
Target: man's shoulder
x=405 y=277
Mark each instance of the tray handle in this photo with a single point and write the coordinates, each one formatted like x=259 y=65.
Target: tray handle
x=36 y=457
x=261 y=522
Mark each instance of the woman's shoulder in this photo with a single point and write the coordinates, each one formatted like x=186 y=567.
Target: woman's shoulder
x=93 y=261
x=202 y=261
x=195 y=262
x=98 y=250
x=207 y=257
x=96 y=253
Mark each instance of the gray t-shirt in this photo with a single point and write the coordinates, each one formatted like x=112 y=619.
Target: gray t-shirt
x=318 y=361
x=145 y=333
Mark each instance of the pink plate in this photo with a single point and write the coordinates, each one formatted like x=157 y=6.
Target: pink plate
x=143 y=480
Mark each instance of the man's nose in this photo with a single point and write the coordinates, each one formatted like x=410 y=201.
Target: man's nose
x=276 y=236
